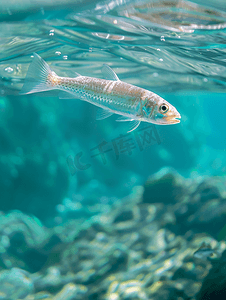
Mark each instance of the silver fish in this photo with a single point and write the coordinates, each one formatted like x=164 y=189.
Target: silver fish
x=111 y=95
x=205 y=251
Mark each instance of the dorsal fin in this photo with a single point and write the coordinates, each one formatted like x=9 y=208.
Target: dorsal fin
x=108 y=73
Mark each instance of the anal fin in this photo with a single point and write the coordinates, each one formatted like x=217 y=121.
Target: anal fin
x=132 y=125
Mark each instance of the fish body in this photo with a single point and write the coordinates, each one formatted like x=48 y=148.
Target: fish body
x=205 y=251
x=111 y=94
x=116 y=96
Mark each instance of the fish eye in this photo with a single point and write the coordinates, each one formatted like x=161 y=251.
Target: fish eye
x=163 y=108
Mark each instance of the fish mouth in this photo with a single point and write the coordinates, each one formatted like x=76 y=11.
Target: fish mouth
x=177 y=120
x=172 y=119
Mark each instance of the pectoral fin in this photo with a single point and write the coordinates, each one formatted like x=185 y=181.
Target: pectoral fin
x=103 y=114
x=134 y=125
x=124 y=119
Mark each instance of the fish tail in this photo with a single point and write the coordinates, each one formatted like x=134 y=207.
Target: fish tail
x=39 y=77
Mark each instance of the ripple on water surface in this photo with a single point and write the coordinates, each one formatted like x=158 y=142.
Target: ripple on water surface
x=176 y=44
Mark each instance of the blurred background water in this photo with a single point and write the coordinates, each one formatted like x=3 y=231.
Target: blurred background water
x=57 y=163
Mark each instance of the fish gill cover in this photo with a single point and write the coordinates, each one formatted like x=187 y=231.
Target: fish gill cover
x=89 y=210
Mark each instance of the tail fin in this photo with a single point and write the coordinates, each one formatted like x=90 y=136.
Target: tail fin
x=37 y=77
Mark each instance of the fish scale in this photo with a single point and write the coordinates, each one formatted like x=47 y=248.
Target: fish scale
x=95 y=93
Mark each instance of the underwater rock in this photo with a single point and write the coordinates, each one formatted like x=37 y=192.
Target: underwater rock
x=51 y=278
x=166 y=186
x=211 y=212
x=126 y=290
x=203 y=204
x=214 y=285
x=208 y=189
x=136 y=249
x=133 y=250
x=24 y=242
x=15 y=284
x=70 y=291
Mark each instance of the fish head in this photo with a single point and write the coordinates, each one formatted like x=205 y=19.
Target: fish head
x=161 y=112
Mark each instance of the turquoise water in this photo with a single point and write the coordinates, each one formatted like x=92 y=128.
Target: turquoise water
x=62 y=168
